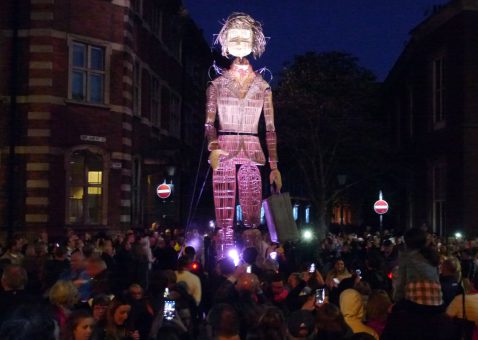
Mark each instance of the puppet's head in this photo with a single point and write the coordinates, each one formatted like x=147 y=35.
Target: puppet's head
x=241 y=35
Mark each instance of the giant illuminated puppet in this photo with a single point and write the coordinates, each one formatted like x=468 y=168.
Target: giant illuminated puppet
x=237 y=98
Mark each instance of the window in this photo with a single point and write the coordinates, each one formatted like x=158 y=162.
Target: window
x=156 y=21
x=439 y=197
x=86 y=188
x=238 y=213
x=155 y=102
x=295 y=212
x=307 y=215
x=136 y=191
x=342 y=214
x=175 y=110
x=87 y=73
x=136 y=88
x=137 y=6
x=438 y=94
x=411 y=111
x=165 y=108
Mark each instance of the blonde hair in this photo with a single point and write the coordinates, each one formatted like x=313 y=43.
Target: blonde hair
x=63 y=293
x=244 y=21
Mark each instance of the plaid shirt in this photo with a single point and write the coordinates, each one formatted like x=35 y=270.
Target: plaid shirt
x=424 y=293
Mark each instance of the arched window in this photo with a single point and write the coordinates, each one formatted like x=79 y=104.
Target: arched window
x=85 y=188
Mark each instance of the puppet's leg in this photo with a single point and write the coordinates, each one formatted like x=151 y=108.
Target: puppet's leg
x=224 y=187
x=250 y=194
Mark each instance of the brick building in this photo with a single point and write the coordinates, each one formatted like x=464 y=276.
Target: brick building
x=431 y=97
x=101 y=101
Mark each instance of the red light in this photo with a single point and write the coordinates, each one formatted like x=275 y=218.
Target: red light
x=195 y=266
x=390 y=275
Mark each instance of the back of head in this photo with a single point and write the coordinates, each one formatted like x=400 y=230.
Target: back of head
x=14 y=277
x=224 y=320
x=226 y=266
x=183 y=263
x=377 y=305
x=330 y=319
x=415 y=238
x=351 y=304
x=301 y=324
x=63 y=293
x=250 y=255
x=27 y=323
x=272 y=324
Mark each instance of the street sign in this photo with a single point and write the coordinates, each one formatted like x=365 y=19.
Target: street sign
x=380 y=207
x=163 y=190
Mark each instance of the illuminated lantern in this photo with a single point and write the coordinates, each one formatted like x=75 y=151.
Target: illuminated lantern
x=236 y=99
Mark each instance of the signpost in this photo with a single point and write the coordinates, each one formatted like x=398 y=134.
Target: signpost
x=163 y=191
x=381 y=208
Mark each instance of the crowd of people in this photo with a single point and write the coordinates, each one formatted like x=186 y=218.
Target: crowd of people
x=162 y=284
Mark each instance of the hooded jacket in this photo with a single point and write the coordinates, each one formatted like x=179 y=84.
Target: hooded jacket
x=352 y=308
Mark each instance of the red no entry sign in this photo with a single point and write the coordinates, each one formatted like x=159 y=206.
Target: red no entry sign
x=163 y=190
x=380 y=207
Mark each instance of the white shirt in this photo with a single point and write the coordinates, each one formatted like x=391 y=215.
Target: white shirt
x=193 y=283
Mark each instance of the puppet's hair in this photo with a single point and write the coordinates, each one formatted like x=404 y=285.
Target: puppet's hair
x=242 y=20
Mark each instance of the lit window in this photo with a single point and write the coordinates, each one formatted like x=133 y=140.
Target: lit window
x=85 y=200
x=263 y=215
x=295 y=212
x=307 y=215
x=238 y=213
x=87 y=73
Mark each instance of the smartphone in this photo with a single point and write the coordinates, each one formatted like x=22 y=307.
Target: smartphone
x=273 y=255
x=320 y=295
x=337 y=281
x=169 y=309
x=359 y=273
x=312 y=268
x=249 y=269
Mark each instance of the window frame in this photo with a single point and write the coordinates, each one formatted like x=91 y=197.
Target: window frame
x=104 y=186
x=89 y=44
x=438 y=92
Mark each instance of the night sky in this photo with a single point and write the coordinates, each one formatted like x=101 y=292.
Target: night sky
x=373 y=30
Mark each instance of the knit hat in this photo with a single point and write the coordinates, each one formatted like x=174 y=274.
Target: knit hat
x=301 y=324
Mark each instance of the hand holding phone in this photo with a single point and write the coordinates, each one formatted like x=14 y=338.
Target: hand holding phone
x=319 y=296
x=169 y=309
x=312 y=268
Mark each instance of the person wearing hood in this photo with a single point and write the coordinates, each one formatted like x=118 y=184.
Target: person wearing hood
x=352 y=308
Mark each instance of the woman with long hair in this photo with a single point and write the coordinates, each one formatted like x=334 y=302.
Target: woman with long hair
x=116 y=320
x=78 y=326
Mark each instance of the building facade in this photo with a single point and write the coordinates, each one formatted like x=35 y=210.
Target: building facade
x=431 y=99
x=101 y=102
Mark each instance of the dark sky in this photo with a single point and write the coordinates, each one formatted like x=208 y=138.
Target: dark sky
x=373 y=30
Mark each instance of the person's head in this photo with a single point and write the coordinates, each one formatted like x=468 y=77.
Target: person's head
x=183 y=263
x=247 y=283
x=107 y=247
x=301 y=324
x=241 y=35
x=135 y=291
x=378 y=305
x=272 y=324
x=30 y=322
x=95 y=265
x=99 y=307
x=277 y=285
x=14 y=277
x=339 y=266
x=118 y=313
x=294 y=280
x=77 y=261
x=14 y=245
x=249 y=255
x=226 y=266
x=387 y=247
x=451 y=267
x=60 y=252
x=351 y=304
x=224 y=321
x=63 y=294
x=190 y=252
x=415 y=238
x=79 y=326
x=330 y=319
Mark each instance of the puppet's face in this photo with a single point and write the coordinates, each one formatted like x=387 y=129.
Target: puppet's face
x=239 y=42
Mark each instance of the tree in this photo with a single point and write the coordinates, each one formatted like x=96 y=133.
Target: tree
x=329 y=124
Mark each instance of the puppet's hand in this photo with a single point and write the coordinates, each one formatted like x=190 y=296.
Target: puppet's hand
x=276 y=178
x=215 y=157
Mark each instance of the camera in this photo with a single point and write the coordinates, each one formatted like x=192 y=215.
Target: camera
x=249 y=269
